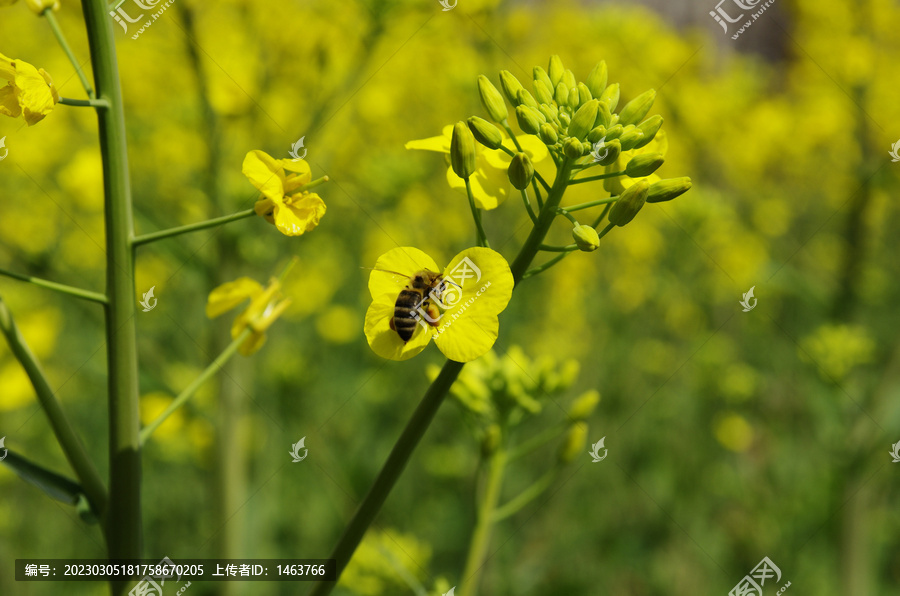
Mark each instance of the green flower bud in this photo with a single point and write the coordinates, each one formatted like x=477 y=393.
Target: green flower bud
x=526 y=99
x=573 y=148
x=573 y=99
x=614 y=132
x=597 y=133
x=637 y=108
x=666 y=190
x=574 y=443
x=542 y=92
x=649 y=127
x=568 y=79
x=528 y=120
x=39 y=6
x=485 y=133
x=630 y=202
x=561 y=95
x=511 y=86
x=604 y=116
x=549 y=111
x=492 y=100
x=596 y=81
x=491 y=440
x=548 y=135
x=520 y=171
x=584 y=94
x=586 y=238
x=462 y=150
x=564 y=119
x=631 y=138
x=611 y=96
x=584 y=405
x=539 y=74
x=644 y=164
x=555 y=70
x=583 y=120
x=612 y=150
x=613 y=119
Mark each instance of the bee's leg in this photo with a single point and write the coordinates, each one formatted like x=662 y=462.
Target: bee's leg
x=434 y=314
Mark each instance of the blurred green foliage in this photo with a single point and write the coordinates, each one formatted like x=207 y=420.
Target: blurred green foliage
x=731 y=435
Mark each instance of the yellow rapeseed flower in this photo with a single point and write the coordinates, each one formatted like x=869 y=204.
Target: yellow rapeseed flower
x=29 y=91
x=284 y=203
x=265 y=306
x=490 y=184
x=460 y=313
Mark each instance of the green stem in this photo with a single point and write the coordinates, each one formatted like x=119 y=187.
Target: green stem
x=598 y=177
x=84 y=103
x=565 y=213
x=52 y=484
x=605 y=230
x=65 y=434
x=482 y=237
x=391 y=471
x=541 y=268
x=528 y=206
x=540 y=440
x=550 y=248
x=57 y=32
x=545 y=219
x=602 y=215
x=526 y=496
x=61 y=288
x=481 y=535
x=315 y=183
x=191 y=389
x=202 y=225
x=589 y=204
x=123 y=519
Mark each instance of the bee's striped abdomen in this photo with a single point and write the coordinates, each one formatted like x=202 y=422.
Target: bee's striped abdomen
x=403 y=322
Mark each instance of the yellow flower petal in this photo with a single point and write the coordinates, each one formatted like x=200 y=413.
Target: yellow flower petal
x=7 y=68
x=467 y=338
x=9 y=103
x=229 y=295
x=300 y=214
x=34 y=93
x=392 y=270
x=384 y=341
x=440 y=144
x=252 y=344
x=265 y=174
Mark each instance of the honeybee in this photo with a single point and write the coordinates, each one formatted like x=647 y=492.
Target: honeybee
x=414 y=302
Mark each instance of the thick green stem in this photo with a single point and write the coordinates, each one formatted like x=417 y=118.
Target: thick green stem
x=391 y=471
x=191 y=389
x=57 y=32
x=481 y=536
x=59 y=422
x=545 y=219
x=202 y=225
x=61 y=288
x=123 y=519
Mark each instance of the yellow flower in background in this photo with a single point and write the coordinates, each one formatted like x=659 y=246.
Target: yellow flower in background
x=29 y=91
x=37 y=6
x=490 y=183
x=283 y=201
x=265 y=306
x=458 y=307
x=616 y=185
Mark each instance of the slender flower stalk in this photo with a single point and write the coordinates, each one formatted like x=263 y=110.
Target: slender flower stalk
x=590 y=204
x=210 y=223
x=476 y=215
x=123 y=516
x=62 y=428
x=56 y=287
x=84 y=103
x=597 y=177
x=484 y=524
x=57 y=32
